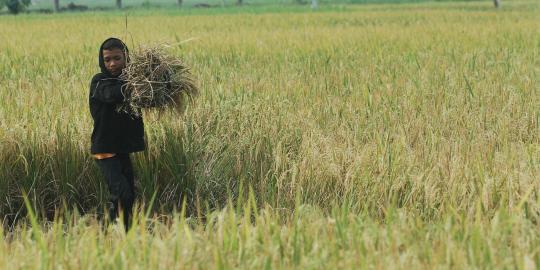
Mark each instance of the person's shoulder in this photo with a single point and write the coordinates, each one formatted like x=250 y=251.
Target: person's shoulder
x=96 y=79
x=98 y=76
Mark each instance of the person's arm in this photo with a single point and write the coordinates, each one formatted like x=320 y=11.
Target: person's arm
x=107 y=90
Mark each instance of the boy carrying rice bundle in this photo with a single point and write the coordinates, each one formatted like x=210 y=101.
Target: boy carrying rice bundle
x=117 y=95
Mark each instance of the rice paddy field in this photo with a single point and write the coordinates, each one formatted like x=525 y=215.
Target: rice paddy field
x=396 y=136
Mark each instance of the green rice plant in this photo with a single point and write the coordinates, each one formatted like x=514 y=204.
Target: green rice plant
x=268 y=239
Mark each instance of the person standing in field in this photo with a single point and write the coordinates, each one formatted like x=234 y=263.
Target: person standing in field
x=115 y=134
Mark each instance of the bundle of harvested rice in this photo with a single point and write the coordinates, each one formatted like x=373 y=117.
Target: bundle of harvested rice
x=155 y=79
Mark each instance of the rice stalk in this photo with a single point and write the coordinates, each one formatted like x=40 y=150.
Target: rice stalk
x=155 y=78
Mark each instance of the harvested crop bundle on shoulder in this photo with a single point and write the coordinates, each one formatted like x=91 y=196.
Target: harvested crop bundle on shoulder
x=155 y=79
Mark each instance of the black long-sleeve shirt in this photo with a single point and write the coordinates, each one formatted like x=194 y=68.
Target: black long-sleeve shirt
x=114 y=132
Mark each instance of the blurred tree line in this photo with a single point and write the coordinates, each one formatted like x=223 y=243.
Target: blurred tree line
x=17 y=6
x=14 y=6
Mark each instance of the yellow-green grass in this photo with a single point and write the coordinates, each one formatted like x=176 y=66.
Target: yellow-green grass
x=410 y=133
x=309 y=239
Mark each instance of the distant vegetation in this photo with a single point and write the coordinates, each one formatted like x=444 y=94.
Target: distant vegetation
x=49 y=6
x=14 y=6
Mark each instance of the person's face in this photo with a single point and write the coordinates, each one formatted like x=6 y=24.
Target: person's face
x=115 y=61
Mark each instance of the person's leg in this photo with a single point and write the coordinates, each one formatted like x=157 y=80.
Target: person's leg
x=127 y=171
x=120 y=190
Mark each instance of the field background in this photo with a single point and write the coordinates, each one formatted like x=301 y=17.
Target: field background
x=382 y=136
x=37 y=4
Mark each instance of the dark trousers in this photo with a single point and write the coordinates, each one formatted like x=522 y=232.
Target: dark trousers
x=118 y=172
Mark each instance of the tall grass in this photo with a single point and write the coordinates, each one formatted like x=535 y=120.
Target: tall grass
x=410 y=134
x=308 y=240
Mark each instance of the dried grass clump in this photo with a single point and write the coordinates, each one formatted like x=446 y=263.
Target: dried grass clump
x=156 y=79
